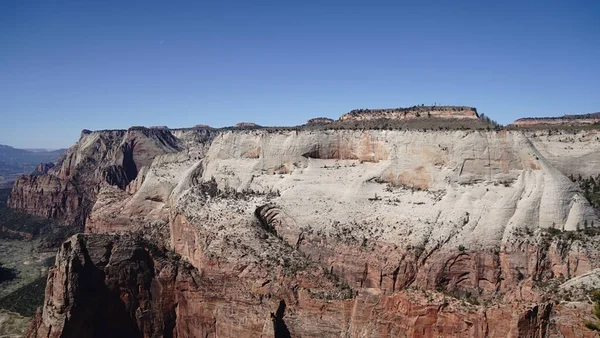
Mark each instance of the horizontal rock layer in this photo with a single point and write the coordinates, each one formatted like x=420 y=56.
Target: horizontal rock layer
x=446 y=112
x=566 y=120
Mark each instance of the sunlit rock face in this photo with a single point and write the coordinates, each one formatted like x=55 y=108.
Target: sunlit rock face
x=415 y=112
x=358 y=232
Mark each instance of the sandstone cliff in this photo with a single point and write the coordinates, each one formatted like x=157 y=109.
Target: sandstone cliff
x=359 y=233
x=68 y=190
x=454 y=112
x=122 y=286
x=566 y=120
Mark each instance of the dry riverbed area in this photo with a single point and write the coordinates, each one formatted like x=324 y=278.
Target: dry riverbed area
x=24 y=268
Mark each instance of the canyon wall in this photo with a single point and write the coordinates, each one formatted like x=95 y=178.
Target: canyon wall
x=123 y=286
x=358 y=233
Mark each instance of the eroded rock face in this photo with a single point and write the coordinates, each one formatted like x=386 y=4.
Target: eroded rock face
x=68 y=190
x=123 y=286
x=448 y=112
x=566 y=120
x=357 y=232
x=43 y=168
x=105 y=286
x=45 y=195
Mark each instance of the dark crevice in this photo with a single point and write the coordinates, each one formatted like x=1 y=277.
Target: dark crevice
x=281 y=330
x=128 y=163
x=395 y=278
x=313 y=153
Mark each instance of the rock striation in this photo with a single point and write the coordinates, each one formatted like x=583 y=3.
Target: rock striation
x=446 y=112
x=123 y=286
x=566 y=120
x=68 y=190
x=455 y=233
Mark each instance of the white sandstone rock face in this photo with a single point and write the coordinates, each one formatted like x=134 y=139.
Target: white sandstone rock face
x=499 y=178
x=411 y=188
x=570 y=151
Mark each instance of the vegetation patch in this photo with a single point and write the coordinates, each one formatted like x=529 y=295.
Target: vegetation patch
x=595 y=325
x=15 y=224
x=26 y=299
x=590 y=186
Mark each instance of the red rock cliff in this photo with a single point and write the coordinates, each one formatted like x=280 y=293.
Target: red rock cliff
x=122 y=286
x=68 y=190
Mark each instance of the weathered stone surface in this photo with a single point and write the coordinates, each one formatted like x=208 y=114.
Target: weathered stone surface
x=68 y=190
x=121 y=286
x=43 y=168
x=566 y=120
x=453 y=112
x=358 y=232
x=45 y=195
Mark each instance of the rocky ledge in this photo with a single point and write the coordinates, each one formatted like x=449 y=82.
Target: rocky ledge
x=447 y=112
x=566 y=120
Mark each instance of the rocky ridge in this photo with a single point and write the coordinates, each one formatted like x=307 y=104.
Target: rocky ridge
x=454 y=112
x=566 y=120
x=358 y=232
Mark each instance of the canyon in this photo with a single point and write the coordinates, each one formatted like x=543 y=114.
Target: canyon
x=318 y=232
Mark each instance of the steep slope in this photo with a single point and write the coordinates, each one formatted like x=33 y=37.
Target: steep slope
x=69 y=189
x=122 y=286
x=356 y=231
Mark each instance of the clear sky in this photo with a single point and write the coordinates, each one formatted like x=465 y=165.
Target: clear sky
x=70 y=65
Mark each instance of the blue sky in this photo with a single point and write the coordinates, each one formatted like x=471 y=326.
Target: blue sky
x=70 y=65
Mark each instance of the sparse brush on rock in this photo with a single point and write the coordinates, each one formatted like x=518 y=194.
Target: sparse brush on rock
x=595 y=325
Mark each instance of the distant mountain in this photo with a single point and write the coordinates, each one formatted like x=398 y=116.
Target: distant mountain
x=15 y=162
x=39 y=150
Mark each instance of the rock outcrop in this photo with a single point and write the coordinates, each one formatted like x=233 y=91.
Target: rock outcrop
x=319 y=120
x=358 y=232
x=446 y=112
x=246 y=125
x=68 y=190
x=43 y=169
x=566 y=120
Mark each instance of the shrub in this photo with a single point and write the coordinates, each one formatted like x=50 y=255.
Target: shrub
x=595 y=326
